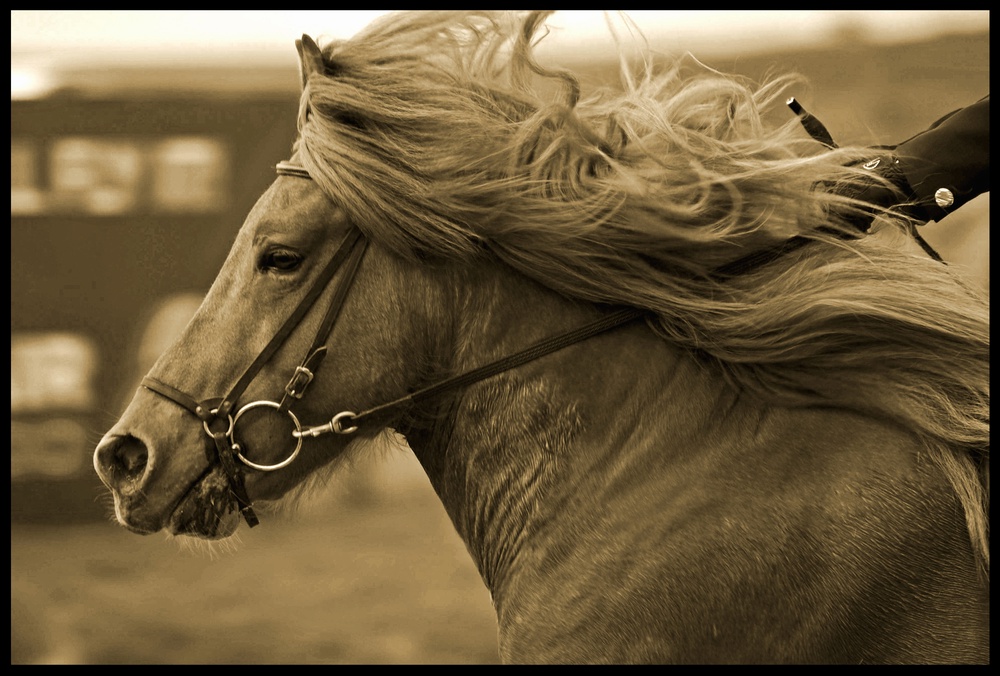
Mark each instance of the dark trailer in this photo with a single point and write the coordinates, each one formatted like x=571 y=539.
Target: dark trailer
x=127 y=188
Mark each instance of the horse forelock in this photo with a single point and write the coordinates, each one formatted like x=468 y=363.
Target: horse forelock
x=442 y=135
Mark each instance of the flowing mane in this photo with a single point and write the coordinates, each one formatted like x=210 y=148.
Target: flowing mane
x=443 y=137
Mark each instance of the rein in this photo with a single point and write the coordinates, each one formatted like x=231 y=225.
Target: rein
x=537 y=350
x=348 y=256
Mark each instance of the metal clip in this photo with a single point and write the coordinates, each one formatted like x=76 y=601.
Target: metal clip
x=335 y=425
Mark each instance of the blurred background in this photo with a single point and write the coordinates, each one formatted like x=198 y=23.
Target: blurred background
x=139 y=141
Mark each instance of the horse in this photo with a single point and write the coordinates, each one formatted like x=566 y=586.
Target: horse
x=664 y=435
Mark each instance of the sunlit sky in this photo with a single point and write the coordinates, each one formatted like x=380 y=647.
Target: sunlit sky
x=202 y=33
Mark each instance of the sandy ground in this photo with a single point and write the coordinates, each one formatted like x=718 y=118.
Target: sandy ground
x=382 y=583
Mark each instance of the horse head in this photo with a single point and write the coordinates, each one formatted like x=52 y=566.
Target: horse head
x=160 y=460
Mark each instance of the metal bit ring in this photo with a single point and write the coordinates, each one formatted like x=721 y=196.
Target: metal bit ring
x=266 y=468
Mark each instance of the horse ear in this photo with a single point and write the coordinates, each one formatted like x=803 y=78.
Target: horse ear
x=310 y=58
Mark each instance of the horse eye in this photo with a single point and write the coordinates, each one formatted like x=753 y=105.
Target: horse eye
x=279 y=260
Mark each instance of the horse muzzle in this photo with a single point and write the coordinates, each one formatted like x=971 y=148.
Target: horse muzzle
x=200 y=506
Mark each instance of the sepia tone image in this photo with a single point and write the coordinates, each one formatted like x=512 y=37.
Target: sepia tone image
x=484 y=337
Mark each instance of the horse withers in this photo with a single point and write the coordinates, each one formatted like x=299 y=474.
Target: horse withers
x=648 y=461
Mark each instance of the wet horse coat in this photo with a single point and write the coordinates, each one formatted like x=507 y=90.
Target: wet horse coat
x=628 y=498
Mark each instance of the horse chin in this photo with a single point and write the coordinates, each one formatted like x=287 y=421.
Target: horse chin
x=207 y=511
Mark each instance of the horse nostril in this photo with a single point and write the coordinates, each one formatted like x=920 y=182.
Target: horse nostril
x=121 y=461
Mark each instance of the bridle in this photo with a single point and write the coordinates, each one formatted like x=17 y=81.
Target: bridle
x=217 y=416
x=347 y=259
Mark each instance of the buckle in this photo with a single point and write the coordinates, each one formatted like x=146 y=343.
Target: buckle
x=296 y=386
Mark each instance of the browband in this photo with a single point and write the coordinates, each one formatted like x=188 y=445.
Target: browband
x=288 y=169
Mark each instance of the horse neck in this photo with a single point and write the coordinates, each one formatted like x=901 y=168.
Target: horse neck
x=508 y=455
